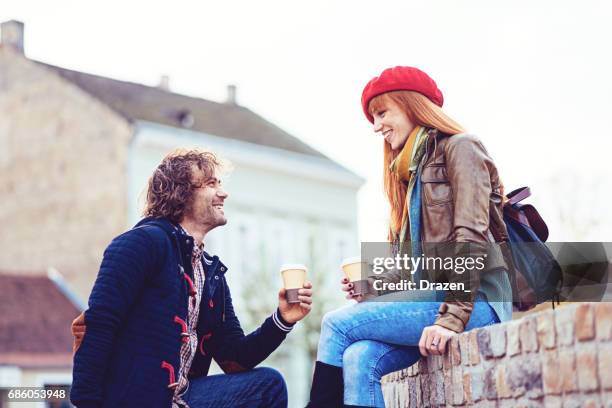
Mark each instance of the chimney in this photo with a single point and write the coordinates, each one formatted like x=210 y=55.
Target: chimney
x=12 y=35
x=231 y=95
x=164 y=83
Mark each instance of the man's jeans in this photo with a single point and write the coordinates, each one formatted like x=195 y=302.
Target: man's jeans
x=371 y=339
x=256 y=388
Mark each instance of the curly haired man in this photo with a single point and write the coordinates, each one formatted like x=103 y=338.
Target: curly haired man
x=160 y=309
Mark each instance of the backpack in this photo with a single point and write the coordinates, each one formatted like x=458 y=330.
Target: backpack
x=535 y=274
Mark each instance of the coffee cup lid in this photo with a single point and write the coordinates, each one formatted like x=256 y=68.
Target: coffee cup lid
x=352 y=260
x=287 y=266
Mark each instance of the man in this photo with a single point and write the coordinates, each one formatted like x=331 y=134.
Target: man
x=160 y=308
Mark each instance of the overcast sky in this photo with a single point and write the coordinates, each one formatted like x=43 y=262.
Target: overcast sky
x=531 y=79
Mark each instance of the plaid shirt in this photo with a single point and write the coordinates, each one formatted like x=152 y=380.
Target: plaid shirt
x=189 y=348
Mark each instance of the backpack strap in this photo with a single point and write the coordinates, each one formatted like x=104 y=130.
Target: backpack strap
x=516 y=215
x=518 y=195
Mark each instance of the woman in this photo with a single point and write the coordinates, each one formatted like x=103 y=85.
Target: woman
x=442 y=187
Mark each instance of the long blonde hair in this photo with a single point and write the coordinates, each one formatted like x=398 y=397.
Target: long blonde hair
x=423 y=112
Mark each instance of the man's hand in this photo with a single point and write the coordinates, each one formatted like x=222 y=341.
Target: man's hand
x=78 y=331
x=434 y=339
x=294 y=312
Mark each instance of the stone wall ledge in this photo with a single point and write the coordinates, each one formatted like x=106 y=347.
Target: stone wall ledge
x=555 y=358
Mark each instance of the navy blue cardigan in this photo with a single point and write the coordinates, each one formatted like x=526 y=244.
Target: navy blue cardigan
x=130 y=352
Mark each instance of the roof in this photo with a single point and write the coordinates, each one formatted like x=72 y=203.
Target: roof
x=35 y=318
x=149 y=103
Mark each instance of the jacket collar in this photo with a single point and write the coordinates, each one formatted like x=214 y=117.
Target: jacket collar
x=163 y=223
x=185 y=245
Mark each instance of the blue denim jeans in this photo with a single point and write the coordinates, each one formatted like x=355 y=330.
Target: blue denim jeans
x=371 y=339
x=257 y=388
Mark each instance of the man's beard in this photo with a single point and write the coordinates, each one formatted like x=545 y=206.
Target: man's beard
x=214 y=218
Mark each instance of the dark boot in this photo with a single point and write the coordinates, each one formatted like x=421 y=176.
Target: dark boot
x=327 y=387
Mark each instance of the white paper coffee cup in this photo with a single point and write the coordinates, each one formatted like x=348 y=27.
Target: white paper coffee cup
x=294 y=276
x=352 y=268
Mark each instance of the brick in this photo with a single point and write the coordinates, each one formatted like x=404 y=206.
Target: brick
x=603 y=319
x=458 y=392
x=391 y=394
x=490 y=390
x=416 y=367
x=604 y=355
x=446 y=360
x=586 y=363
x=419 y=395
x=438 y=389
x=484 y=404
x=528 y=335
x=528 y=404
x=585 y=322
x=423 y=366
x=455 y=353
x=567 y=370
x=564 y=325
x=412 y=392
x=591 y=403
x=546 y=330
x=553 y=402
x=572 y=402
x=514 y=343
x=551 y=377
x=525 y=377
x=463 y=348
x=501 y=382
x=410 y=371
x=484 y=343
x=425 y=390
x=506 y=403
x=448 y=390
x=473 y=350
x=477 y=389
x=497 y=334
x=467 y=388
x=431 y=364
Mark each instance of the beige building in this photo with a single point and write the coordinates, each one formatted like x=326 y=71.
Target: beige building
x=63 y=160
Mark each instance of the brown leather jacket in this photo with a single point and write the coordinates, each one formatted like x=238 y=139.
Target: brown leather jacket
x=462 y=201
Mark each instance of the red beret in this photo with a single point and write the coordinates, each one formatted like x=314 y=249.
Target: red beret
x=400 y=79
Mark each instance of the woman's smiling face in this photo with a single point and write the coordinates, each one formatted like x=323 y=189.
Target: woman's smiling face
x=392 y=122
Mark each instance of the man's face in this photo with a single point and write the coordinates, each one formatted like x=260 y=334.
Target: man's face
x=208 y=197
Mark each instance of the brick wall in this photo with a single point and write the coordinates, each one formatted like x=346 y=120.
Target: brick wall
x=557 y=358
x=63 y=181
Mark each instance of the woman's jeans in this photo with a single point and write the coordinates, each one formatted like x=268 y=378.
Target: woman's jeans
x=374 y=338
